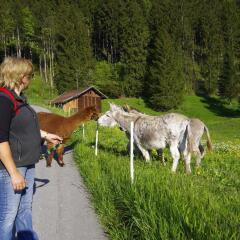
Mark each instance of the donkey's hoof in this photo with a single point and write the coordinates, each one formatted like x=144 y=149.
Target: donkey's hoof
x=198 y=171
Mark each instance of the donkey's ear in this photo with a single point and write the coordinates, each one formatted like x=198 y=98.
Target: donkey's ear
x=111 y=105
x=114 y=107
x=126 y=108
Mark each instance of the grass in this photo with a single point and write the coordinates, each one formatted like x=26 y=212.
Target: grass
x=209 y=110
x=39 y=93
x=162 y=205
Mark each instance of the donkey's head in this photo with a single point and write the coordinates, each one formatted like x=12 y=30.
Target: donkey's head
x=107 y=119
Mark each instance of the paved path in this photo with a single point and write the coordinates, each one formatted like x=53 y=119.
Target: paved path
x=61 y=206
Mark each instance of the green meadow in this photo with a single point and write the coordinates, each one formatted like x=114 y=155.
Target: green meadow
x=159 y=204
x=156 y=49
x=162 y=205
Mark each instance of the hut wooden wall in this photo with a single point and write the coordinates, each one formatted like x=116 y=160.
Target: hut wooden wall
x=72 y=105
x=90 y=98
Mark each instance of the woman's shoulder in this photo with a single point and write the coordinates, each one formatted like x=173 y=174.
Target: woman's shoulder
x=5 y=101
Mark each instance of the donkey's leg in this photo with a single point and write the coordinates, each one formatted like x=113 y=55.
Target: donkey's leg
x=161 y=155
x=144 y=152
x=50 y=154
x=135 y=149
x=200 y=154
x=187 y=159
x=175 y=155
x=59 y=152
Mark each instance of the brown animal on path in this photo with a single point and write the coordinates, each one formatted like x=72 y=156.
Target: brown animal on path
x=63 y=127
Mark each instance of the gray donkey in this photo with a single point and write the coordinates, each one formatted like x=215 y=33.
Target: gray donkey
x=197 y=127
x=154 y=132
x=126 y=108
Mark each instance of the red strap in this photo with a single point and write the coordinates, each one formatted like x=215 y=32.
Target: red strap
x=6 y=91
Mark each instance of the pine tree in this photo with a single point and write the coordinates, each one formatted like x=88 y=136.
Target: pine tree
x=228 y=87
x=73 y=50
x=105 y=30
x=26 y=28
x=208 y=43
x=133 y=41
x=229 y=79
x=121 y=33
x=105 y=77
x=121 y=36
x=164 y=81
x=7 y=27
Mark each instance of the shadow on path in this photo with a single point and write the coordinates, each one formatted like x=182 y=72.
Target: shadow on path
x=43 y=181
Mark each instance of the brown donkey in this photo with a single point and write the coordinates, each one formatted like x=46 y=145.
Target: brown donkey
x=63 y=126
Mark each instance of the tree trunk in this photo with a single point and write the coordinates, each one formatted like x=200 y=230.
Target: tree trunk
x=50 y=69
x=4 y=43
x=18 y=45
x=40 y=66
x=45 y=63
x=45 y=67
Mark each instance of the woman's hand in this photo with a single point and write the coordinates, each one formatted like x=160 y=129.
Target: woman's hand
x=18 y=181
x=52 y=138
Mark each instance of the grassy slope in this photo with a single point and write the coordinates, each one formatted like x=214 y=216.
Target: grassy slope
x=223 y=121
x=161 y=205
x=39 y=93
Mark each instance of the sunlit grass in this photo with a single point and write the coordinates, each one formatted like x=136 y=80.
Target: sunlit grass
x=160 y=205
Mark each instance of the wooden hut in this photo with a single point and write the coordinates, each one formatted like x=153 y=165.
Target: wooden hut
x=77 y=100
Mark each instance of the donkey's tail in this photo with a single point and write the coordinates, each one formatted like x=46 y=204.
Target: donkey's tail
x=209 y=142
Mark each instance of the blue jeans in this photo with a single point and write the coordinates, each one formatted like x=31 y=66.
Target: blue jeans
x=15 y=207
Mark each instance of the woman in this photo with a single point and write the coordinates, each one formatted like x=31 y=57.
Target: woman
x=20 y=146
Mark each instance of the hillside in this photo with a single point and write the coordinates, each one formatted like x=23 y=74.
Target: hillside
x=161 y=205
x=223 y=120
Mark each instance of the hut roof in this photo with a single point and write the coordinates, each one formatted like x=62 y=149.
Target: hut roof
x=70 y=95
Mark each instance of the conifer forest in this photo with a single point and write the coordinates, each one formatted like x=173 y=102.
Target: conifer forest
x=159 y=50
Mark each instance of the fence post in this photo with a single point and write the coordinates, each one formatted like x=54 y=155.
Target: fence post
x=96 y=141
x=131 y=155
x=83 y=131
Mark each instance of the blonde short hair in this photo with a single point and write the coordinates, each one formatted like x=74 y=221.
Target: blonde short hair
x=12 y=70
